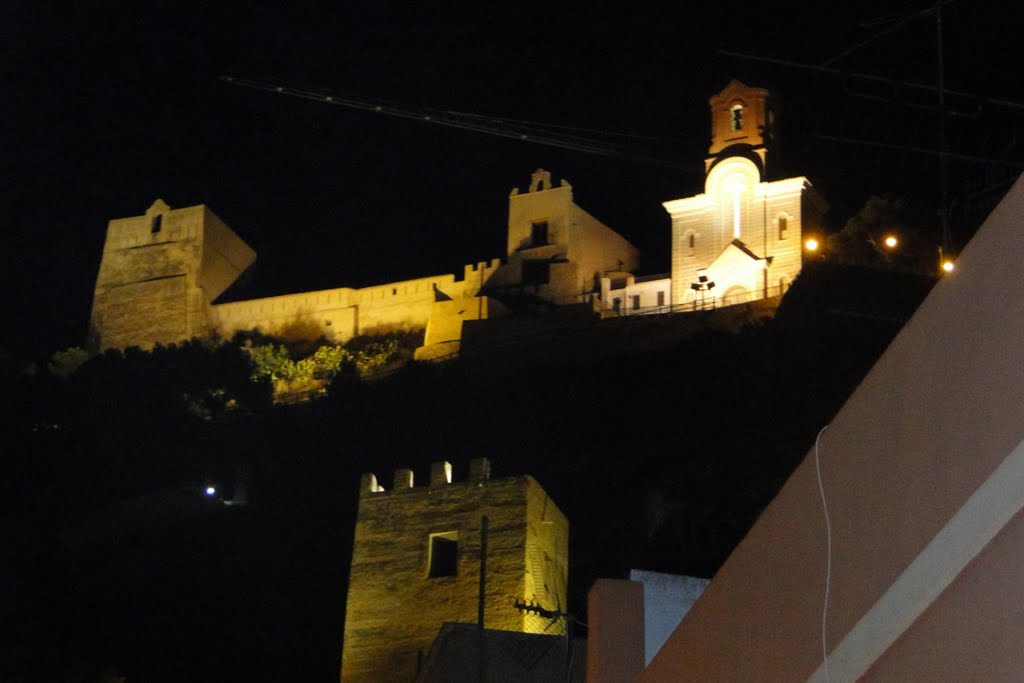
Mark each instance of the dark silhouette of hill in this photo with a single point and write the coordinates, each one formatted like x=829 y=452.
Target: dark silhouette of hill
x=661 y=459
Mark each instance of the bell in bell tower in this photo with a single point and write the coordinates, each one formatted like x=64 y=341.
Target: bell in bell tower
x=741 y=125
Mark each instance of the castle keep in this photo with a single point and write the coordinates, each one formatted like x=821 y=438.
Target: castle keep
x=417 y=559
x=739 y=241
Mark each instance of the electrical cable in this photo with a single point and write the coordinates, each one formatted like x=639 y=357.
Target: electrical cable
x=828 y=557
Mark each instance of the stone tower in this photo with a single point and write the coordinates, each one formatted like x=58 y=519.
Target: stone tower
x=416 y=564
x=158 y=275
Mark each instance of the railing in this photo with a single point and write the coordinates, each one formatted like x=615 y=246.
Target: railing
x=708 y=302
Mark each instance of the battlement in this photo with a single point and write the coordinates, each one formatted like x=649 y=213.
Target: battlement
x=440 y=476
x=472 y=271
x=426 y=545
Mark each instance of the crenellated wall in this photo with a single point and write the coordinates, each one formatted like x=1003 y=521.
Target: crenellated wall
x=400 y=594
x=337 y=314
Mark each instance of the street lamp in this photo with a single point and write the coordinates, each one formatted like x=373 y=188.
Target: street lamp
x=945 y=262
x=702 y=285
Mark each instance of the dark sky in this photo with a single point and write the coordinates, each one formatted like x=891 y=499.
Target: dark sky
x=110 y=105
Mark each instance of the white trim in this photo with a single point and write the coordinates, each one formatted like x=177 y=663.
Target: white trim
x=975 y=524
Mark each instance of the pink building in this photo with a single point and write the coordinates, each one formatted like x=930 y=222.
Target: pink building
x=915 y=573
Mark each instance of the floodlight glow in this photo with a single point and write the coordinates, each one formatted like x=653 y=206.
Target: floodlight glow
x=891 y=241
x=811 y=244
x=210 y=490
x=948 y=266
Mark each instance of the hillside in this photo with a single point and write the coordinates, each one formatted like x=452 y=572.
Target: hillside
x=661 y=457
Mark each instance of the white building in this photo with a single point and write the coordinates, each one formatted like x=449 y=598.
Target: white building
x=741 y=239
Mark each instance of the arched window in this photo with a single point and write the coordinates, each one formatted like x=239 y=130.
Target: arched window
x=736 y=117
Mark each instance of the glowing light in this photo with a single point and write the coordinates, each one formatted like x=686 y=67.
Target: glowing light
x=811 y=244
x=891 y=241
x=210 y=491
x=948 y=266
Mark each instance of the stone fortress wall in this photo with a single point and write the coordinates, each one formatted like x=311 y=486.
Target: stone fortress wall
x=161 y=273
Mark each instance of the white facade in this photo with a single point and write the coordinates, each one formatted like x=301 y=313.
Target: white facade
x=741 y=240
x=625 y=294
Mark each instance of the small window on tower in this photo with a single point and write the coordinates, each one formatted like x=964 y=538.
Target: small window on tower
x=444 y=554
x=783 y=224
x=538 y=233
x=692 y=240
x=661 y=298
x=736 y=117
x=636 y=302
x=156 y=223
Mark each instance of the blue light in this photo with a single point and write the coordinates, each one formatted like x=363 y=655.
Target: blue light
x=210 y=491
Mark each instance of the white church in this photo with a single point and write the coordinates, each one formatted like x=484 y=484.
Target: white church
x=742 y=239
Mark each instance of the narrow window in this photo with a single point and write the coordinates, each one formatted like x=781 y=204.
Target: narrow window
x=661 y=298
x=693 y=240
x=538 y=233
x=736 y=117
x=636 y=302
x=616 y=304
x=156 y=223
x=444 y=554
x=783 y=224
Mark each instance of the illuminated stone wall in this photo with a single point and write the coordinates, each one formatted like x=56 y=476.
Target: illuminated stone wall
x=545 y=226
x=338 y=314
x=161 y=271
x=158 y=274
x=395 y=608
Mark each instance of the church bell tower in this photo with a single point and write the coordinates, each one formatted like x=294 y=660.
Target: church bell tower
x=742 y=119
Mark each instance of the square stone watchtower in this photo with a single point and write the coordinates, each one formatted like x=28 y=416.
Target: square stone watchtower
x=158 y=275
x=416 y=564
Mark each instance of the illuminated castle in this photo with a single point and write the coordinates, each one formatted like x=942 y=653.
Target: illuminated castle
x=161 y=272
x=739 y=241
x=417 y=560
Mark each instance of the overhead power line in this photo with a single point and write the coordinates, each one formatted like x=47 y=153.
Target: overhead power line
x=600 y=143
x=891 y=83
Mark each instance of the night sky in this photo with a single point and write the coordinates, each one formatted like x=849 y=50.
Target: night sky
x=111 y=105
